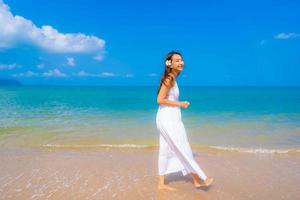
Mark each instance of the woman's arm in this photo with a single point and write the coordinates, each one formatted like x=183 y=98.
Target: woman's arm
x=161 y=98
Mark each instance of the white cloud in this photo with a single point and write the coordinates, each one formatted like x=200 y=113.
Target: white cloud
x=108 y=74
x=40 y=66
x=15 y=30
x=262 y=42
x=50 y=73
x=83 y=74
x=283 y=36
x=99 y=57
x=8 y=66
x=70 y=61
x=59 y=74
x=152 y=75
x=103 y=74
x=26 y=74
x=54 y=73
x=128 y=75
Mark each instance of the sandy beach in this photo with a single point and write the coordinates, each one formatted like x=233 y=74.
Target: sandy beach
x=126 y=173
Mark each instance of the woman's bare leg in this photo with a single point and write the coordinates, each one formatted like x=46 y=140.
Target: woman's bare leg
x=197 y=181
x=162 y=185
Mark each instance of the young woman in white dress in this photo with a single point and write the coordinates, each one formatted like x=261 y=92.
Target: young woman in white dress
x=175 y=153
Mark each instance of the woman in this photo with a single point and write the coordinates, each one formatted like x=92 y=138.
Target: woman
x=175 y=153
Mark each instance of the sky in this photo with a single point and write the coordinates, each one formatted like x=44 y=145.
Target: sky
x=95 y=42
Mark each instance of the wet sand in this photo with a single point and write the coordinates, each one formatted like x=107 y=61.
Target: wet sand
x=107 y=173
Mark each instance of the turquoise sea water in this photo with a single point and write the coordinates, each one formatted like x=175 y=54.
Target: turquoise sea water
x=259 y=119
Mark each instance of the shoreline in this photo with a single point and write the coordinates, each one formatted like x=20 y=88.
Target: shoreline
x=114 y=173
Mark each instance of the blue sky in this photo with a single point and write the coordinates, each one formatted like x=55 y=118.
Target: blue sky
x=123 y=42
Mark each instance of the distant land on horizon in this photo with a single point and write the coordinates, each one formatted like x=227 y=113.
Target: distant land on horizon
x=8 y=82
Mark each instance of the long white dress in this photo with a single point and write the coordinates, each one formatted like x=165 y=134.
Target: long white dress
x=175 y=153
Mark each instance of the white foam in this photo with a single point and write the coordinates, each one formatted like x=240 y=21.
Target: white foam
x=255 y=150
x=141 y=146
x=97 y=145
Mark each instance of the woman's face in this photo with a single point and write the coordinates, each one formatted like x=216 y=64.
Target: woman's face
x=177 y=62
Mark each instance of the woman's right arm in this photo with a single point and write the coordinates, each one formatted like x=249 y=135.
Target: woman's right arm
x=162 y=100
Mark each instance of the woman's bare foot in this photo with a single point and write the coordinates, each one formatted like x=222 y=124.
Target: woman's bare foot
x=165 y=187
x=197 y=185
x=206 y=182
x=196 y=181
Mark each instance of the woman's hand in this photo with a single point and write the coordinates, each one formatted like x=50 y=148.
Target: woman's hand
x=184 y=104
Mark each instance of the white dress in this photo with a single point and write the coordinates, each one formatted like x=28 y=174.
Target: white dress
x=175 y=153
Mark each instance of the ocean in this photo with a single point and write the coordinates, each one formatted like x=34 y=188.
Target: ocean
x=241 y=119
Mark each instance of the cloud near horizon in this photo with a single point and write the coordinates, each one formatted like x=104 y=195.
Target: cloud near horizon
x=70 y=61
x=50 y=73
x=16 y=30
x=82 y=73
x=152 y=75
x=284 y=36
x=56 y=73
x=8 y=66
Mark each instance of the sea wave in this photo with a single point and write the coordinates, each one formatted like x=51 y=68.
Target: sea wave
x=204 y=148
x=138 y=146
x=254 y=150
